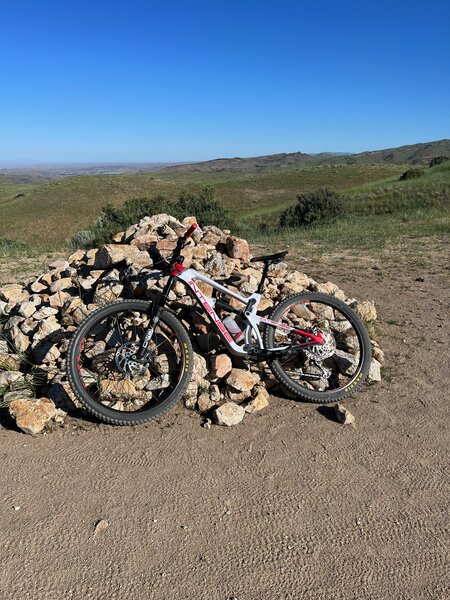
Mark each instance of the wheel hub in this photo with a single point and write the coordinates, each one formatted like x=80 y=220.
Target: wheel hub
x=323 y=351
x=127 y=361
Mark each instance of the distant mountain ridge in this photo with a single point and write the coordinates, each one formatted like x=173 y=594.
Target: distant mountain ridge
x=411 y=154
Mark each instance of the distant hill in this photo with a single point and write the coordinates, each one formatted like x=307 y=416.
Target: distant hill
x=412 y=154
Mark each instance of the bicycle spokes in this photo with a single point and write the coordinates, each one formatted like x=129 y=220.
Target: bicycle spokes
x=111 y=371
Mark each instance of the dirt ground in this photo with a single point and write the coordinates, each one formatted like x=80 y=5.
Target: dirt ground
x=287 y=505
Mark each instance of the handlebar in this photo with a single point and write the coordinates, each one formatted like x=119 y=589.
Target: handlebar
x=166 y=266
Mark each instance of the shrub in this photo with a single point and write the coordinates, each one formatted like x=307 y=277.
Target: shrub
x=411 y=174
x=203 y=206
x=312 y=207
x=438 y=160
x=112 y=219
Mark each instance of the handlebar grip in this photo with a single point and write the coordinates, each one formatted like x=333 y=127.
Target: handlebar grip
x=190 y=231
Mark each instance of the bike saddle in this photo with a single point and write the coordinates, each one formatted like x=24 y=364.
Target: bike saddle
x=271 y=259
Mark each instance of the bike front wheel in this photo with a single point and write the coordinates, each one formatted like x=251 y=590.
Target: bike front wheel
x=108 y=378
x=319 y=373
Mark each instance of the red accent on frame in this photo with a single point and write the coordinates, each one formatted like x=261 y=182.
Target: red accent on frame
x=315 y=339
x=190 y=231
x=177 y=270
x=209 y=309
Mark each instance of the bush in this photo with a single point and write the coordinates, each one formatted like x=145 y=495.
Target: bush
x=203 y=206
x=438 y=160
x=312 y=207
x=112 y=219
x=411 y=174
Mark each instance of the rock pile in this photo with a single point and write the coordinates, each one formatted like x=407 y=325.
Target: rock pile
x=39 y=317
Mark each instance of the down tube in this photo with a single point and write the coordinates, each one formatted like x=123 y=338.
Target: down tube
x=214 y=318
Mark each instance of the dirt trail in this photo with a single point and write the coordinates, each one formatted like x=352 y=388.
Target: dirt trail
x=289 y=504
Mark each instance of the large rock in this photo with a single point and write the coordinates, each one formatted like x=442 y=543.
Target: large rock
x=11 y=292
x=143 y=242
x=9 y=362
x=217 y=266
x=374 y=371
x=241 y=380
x=27 y=309
x=113 y=254
x=9 y=377
x=238 y=248
x=260 y=401
x=366 y=310
x=221 y=365
x=229 y=414
x=33 y=416
x=18 y=339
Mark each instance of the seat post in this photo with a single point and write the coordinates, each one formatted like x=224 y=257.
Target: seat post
x=263 y=278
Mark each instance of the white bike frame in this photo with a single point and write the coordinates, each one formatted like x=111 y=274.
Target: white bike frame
x=252 y=334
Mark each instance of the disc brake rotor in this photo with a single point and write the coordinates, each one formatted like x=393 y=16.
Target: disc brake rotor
x=127 y=361
x=320 y=352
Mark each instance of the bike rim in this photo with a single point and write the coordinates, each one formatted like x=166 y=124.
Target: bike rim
x=338 y=364
x=110 y=376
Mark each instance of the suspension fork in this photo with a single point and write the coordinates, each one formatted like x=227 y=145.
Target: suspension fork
x=157 y=308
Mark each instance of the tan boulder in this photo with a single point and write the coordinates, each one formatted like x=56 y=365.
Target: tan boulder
x=113 y=254
x=61 y=284
x=77 y=256
x=19 y=340
x=9 y=362
x=59 y=264
x=221 y=365
x=143 y=242
x=44 y=313
x=366 y=310
x=211 y=235
x=118 y=237
x=205 y=402
x=90 y=256
x=8 y=292
x=241 y=380
x=9 y=377
x=378 y=354
x=374 y=371
x=238 y=248
x=57 y=300
x=27 y=309
x=229 y=414
x=38 y=286
x=260 y=400
x=33 y=416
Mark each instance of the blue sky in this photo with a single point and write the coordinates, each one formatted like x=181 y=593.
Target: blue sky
x=171 y=81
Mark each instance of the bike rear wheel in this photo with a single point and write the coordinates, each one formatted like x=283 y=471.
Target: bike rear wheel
x=319 y=373
x=109 y=380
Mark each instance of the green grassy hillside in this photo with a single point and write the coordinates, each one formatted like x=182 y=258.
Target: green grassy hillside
x=377 y=205
x=53 y=212
x=382 y=212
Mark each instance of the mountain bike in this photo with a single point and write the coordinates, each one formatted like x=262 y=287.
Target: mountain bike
x=131 y=360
